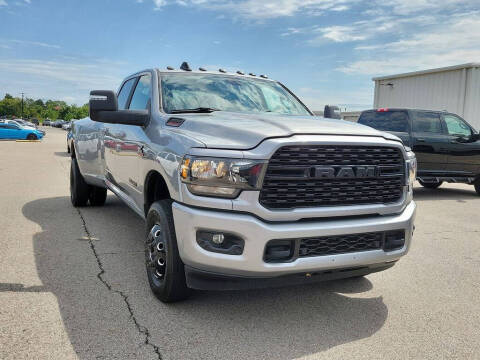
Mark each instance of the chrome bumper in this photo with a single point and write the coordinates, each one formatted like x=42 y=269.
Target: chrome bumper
x=257 y=233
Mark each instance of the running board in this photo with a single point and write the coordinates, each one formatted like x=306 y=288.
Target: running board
x=450 y=179
x=125 y=198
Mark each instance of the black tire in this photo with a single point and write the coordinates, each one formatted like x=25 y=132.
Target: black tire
x=476 y=184
x=97 y=196
x=31 y=137
x=68 y=149
x=79 y=189
x=431 y=185
x=167 y=281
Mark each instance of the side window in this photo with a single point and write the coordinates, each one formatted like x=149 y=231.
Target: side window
x=396 y=121
x=141 y=95
x=425 y=122
x=125 y=93
x=457 y=126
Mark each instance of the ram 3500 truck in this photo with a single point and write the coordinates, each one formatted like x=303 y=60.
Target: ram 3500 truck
x=240 y=185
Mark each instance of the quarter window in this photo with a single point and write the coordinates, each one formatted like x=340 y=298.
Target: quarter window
x=125 y=93
x=141 y=96
x=425 y=122
x=456 y=126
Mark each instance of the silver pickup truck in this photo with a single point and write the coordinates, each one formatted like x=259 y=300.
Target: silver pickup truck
x=240 y=185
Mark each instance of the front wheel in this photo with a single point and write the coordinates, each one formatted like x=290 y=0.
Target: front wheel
x=31 y=137
x=431 y=185
x=165 y=269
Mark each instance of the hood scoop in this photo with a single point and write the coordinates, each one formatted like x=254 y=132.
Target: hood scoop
x=175 y=122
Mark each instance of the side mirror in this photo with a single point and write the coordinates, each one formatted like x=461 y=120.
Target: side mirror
x=475 y=137
x=103 y=106
x=331 y=112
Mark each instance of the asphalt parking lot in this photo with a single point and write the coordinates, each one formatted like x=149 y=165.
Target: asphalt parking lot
x=73 y=285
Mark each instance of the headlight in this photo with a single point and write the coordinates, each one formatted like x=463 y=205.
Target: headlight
x=411 y=167
x=220 y=177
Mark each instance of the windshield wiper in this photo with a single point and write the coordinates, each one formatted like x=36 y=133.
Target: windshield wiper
x=196 y=110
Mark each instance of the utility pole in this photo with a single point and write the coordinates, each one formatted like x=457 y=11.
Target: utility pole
x=22 y=103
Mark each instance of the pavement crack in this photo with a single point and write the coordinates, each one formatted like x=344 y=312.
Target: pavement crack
x=100 y=275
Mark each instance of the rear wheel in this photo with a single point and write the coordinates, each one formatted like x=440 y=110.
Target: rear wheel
x=477 y=186
x=431 y=185
x=79 y=189
x=165 y=269
x=97 y=196
x=31 y=137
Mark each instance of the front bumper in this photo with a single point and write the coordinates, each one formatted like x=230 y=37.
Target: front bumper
x=256 y=233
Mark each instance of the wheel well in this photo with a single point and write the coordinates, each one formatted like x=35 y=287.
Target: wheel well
x=155 y=189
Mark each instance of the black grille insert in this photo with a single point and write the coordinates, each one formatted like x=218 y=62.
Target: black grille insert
x=340 y=244
x=299 y=176
x=336 y=244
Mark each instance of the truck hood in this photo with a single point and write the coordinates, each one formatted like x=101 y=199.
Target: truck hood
x=228 y=130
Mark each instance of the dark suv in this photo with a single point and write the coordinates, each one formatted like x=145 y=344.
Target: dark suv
x=447 y=147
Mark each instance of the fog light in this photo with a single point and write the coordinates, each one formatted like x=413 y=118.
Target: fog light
x=223 y=243
x=218 y=238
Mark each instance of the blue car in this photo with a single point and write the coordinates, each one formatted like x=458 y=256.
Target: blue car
x=14 y=131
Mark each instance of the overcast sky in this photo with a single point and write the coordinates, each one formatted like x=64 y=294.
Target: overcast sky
x=326 y=51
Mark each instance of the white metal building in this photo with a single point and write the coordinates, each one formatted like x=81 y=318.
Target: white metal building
x=455 y=89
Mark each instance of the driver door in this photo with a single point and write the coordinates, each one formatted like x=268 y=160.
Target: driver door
x=463 y=155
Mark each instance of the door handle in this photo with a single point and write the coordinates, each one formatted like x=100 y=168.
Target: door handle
x=420 y=139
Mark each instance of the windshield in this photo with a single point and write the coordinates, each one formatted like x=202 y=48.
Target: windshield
x=227 y=93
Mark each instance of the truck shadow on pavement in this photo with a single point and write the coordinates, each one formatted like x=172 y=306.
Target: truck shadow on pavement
x=108 y=310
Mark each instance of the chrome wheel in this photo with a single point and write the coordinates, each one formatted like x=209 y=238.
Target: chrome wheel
x=156 y=253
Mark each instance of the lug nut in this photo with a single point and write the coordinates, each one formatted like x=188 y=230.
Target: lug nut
x=161 y=262
x=160 y=246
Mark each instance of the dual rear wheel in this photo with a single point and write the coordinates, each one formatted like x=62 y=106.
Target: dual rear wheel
x=82 y=193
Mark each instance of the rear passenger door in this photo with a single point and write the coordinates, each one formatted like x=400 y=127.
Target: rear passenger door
x=114 y=136
x=124 y=142
x=429 y=142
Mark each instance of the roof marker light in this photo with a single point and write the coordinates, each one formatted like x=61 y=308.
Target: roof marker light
x=202 y=69
x=252 y=74
x=382 y=109
x=170 y=68
x=240 y=72
x=185 y=66
x=222 y=71
x=264 y=76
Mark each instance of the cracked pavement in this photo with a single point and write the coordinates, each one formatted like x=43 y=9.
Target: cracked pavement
x=73 y=285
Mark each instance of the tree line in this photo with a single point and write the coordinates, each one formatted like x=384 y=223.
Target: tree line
x=11 y=107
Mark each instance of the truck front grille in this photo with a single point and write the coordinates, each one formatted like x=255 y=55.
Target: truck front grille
x=333 y=175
